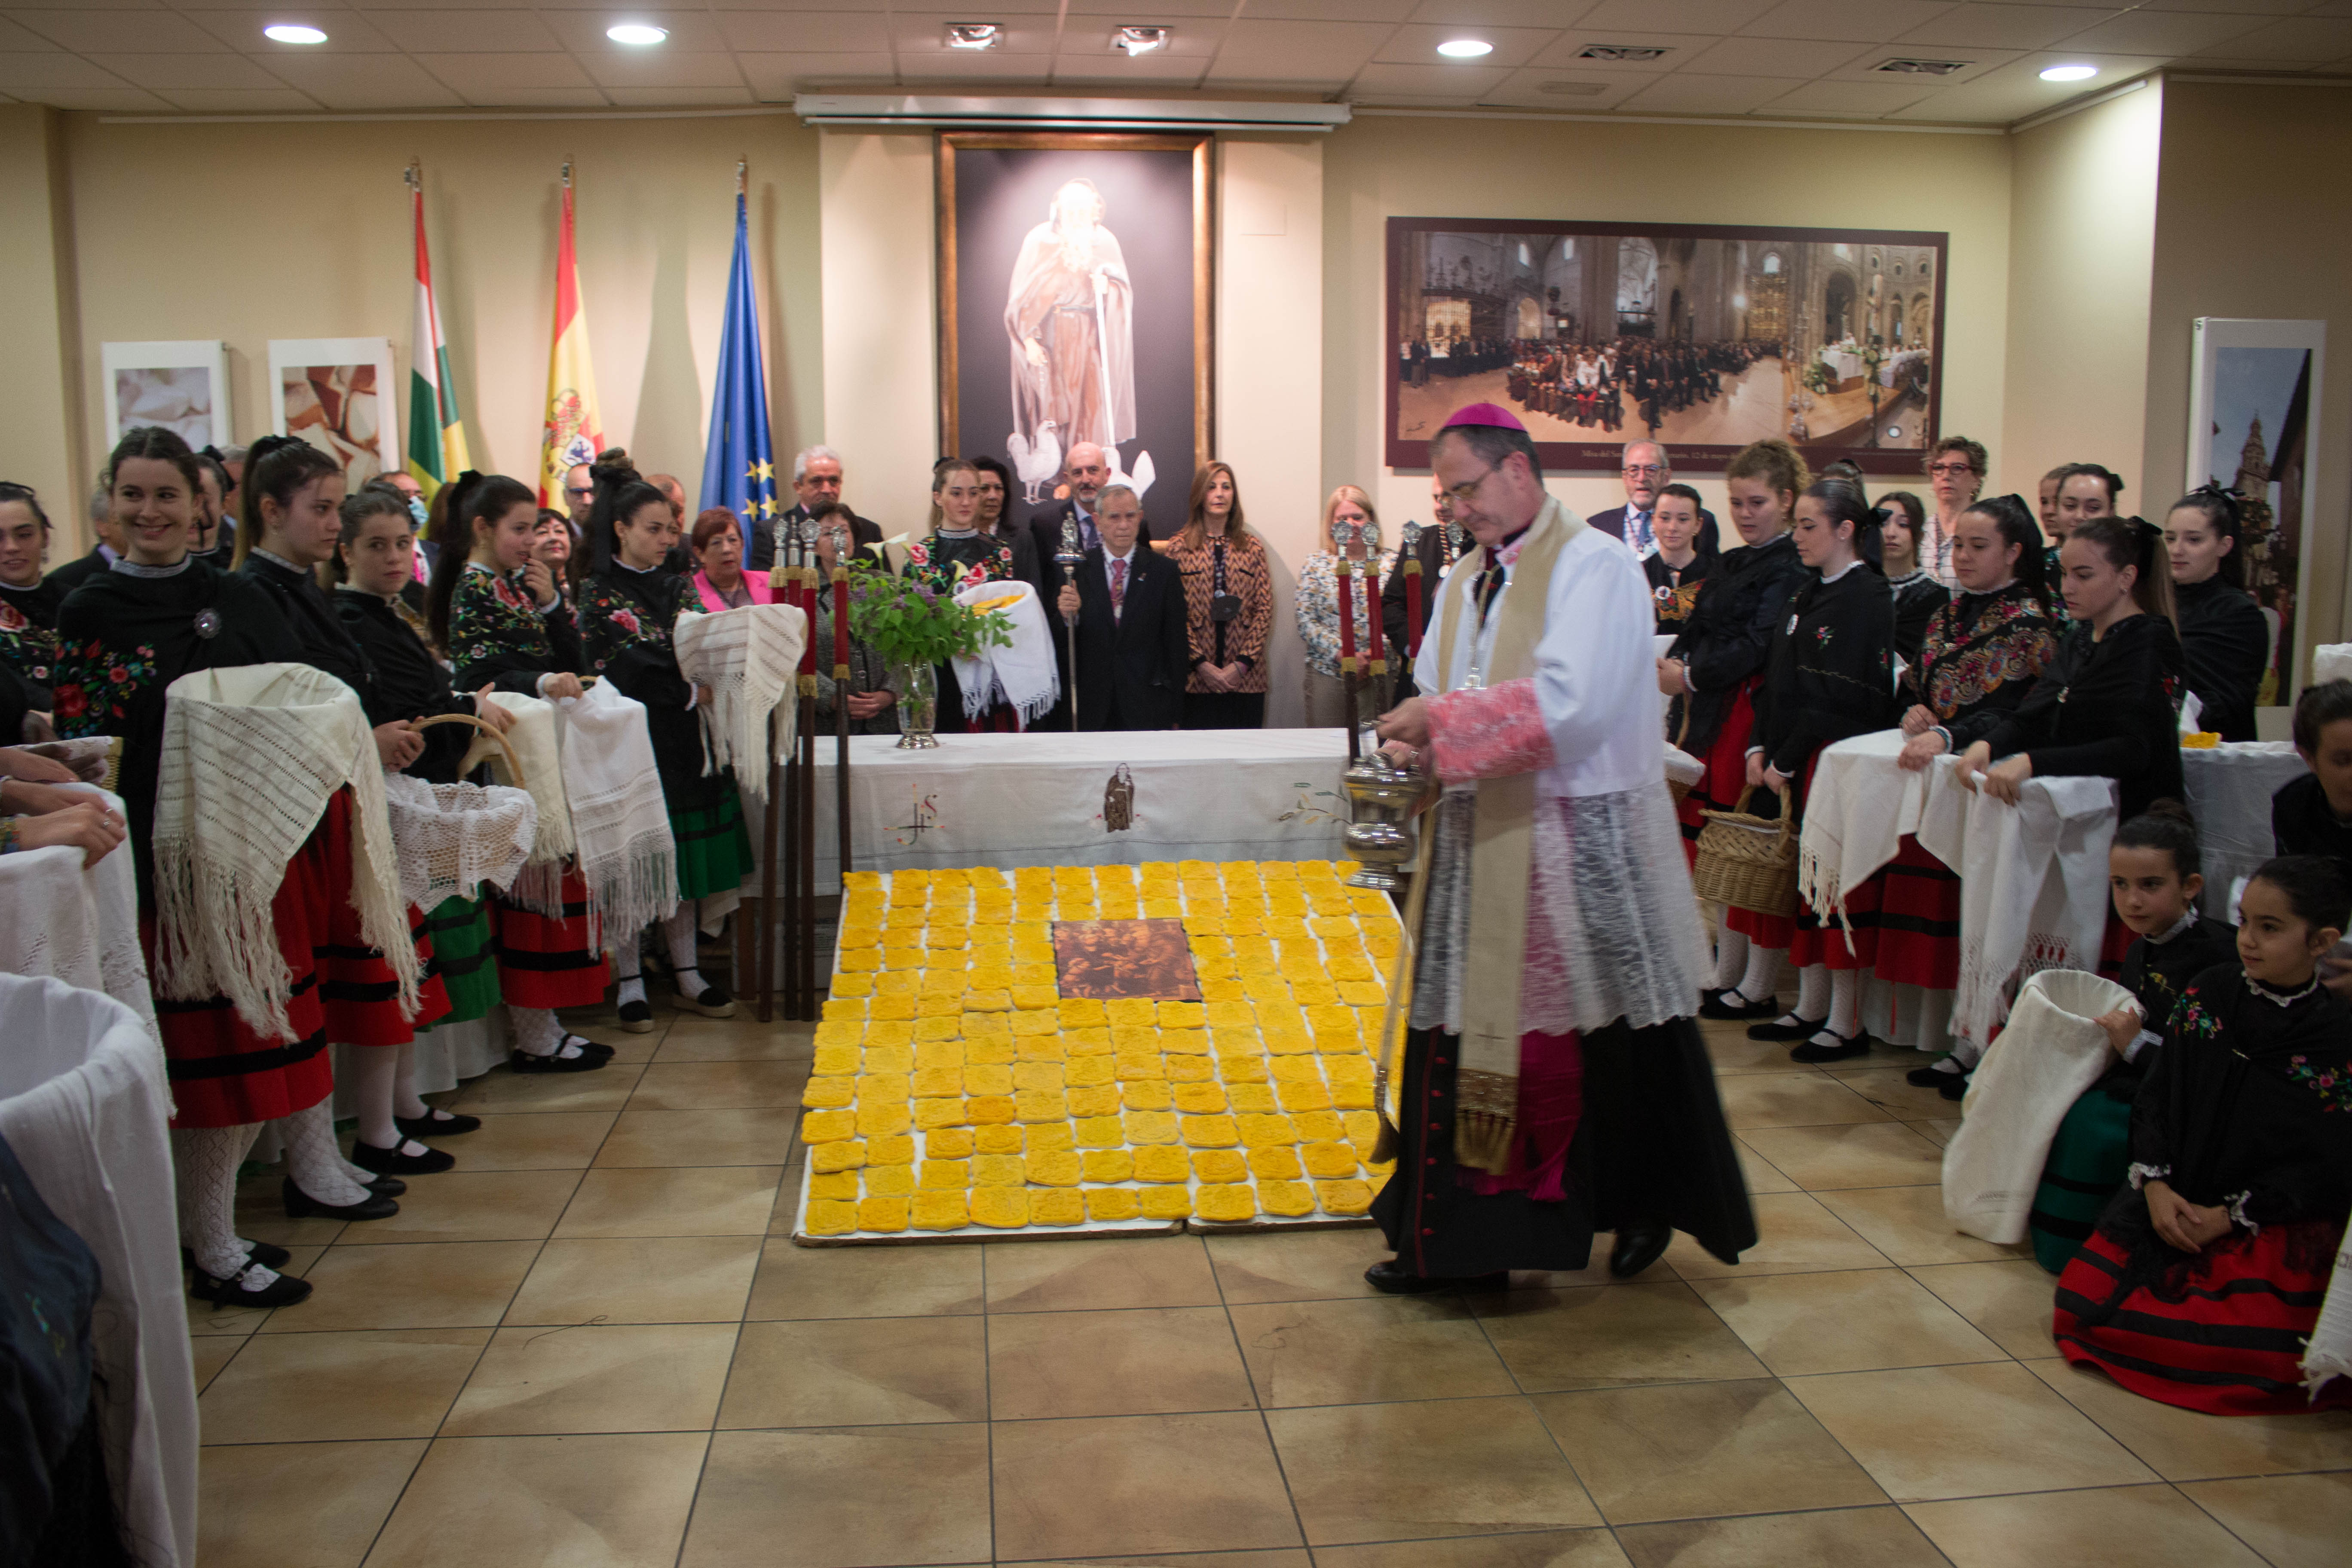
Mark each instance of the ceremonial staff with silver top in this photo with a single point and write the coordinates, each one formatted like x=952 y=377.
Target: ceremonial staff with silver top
x=1067 y=558
x=837 y=530
x=764 y=928
x=804 y=931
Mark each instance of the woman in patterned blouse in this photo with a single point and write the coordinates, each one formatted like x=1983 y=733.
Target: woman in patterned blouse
x=1319 y=610
x=1228 y=604
x=28 y=605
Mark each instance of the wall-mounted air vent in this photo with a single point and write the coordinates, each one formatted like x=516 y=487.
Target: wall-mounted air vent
x=1623 y=54
x=1922 y=67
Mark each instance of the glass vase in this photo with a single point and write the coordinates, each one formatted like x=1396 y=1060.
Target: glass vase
x=917 y=704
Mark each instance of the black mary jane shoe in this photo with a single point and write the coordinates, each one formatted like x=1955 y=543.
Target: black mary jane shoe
x=1816 y=1050
x=396 y=1161
x=1390 y=1279
x=433 y=1124
x=300 y=1204
x=555 y=1061
x=637 y=1018
x=1787 y=1026
x=1932 y=1076
x=386 y=1186
x=714 y=1003
x=1956 y=1086
x=282 y=1291
x=1740 y=1011
x=267 y=1254
x=1637 y=1247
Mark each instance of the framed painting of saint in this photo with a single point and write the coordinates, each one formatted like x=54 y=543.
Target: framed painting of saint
x=1075 y=310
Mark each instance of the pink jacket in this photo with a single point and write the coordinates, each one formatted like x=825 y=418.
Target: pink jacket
x=757 y=582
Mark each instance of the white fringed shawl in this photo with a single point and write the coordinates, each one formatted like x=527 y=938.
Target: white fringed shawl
x=747 y=657
x=1023 y=674
x=626 y=852
x=538 y=887
x=252 y=754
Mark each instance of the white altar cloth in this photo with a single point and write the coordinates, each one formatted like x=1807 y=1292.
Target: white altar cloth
x=2230 y=789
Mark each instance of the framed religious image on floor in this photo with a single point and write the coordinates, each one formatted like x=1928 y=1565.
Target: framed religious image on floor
x=1706 y=337
x=182 y=386
x=1074 y=308
x=2253 y=400
x=336 y=393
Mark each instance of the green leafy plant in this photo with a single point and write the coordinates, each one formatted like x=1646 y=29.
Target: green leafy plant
x=908 y=622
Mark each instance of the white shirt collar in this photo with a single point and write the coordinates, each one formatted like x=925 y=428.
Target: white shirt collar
x=1835 y=576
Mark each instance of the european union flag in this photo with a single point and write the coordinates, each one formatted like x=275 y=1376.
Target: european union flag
x=738 y=469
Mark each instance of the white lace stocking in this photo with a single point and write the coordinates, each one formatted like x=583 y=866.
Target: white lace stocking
x=203 y=1164
x=1730 y=954
x=313 y=1161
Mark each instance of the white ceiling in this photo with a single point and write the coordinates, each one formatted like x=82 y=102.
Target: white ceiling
x=1809 y=59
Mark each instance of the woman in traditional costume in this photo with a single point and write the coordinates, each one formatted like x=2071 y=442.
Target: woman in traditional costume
x=28 y=603
x=870 y=693
x=1918 y=594
x=1681 y=562
x=2204 y=1280
x=1228 y=606
x=126 y=634
x=2225 y=641
x=1715 y=665
x=1828 y=675
x=957 y=553
x=494 y=605
x=629 y=607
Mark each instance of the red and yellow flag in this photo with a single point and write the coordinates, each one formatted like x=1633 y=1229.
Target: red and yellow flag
x=573 y=433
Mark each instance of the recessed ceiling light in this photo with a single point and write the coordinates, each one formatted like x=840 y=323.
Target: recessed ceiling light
x=2069 y=73
x=1142 y=40
x=1465 y=48
x=973 y=35
x=637 y=33
x=294 y=33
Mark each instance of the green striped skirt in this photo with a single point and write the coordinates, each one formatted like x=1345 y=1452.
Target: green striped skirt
x=2089 y=1159
x=714 y=848
x=460 y=929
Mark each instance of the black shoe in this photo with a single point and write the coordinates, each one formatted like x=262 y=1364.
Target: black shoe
x=386 y=1186
x=1787 y=1026
x=637 y=1018
x=436 y=1124
x=300 y=1203
x=1711 y=994
x=714 y=1003
x=282 y=1291
x=1954 y=1087
x=1740 y=1011
x=556 y=1061
x=1390 y=1279
x=384 y=1162
x=1933 y=1076
x=266 y=1254
x=1638 y=1246
x=1817 y=1050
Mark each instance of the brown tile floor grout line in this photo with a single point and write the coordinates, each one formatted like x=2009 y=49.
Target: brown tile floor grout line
x=987 y=1399
x=1264 y=1421
x=1528 y=1399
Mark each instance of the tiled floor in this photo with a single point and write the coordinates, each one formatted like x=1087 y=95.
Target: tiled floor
x=594 y=1346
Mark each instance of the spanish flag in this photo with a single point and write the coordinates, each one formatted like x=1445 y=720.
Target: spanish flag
x=574 y=434
x=436 y=430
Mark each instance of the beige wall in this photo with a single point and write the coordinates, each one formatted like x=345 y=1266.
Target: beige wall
x=249 y=232
x=2254 y=217
x=1380 y=167
x=2082 y=233
x=40 y=444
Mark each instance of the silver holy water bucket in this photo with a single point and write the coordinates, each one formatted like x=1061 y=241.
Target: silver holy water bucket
x=1380 y=799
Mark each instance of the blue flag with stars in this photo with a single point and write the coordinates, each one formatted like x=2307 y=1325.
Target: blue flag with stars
x=738 y=469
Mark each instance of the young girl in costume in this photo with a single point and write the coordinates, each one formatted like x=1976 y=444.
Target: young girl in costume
x=2206 y=1273
x=957 y=553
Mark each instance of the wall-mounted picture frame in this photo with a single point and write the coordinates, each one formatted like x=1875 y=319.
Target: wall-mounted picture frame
x=1706 y=337
x=338 y=393
x=1075 y=278
x=181 y=385
x=2253 y=403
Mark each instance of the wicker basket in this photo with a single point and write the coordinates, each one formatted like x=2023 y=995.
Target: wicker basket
x=1747 y=862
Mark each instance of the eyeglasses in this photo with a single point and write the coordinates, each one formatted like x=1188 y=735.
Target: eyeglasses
x=1636 y=470
x=1951 y=469
x=1462 y=493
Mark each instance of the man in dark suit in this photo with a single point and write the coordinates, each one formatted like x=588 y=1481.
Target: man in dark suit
x=102 y=554
x=1436 y=554
x=816 y=480
x=1128 y=605
x=1647 y=469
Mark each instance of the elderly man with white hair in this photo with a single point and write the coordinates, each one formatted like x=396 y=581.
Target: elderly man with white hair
x=817 y=480
x=1644 y=470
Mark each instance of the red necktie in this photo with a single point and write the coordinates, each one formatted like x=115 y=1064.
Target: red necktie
x=1118 y=588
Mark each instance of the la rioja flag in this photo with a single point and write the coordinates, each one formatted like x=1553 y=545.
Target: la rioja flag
x=436 y=430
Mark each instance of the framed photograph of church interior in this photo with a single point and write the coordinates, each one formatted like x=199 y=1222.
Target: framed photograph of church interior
x=2253 y=403
x=337 y=394
x=1075 y=307
x=1706 y=337
x=183 y=386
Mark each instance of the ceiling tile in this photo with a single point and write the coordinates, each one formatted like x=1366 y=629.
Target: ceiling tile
x=1076 y=67
x=1366 y=10
x=1707 y=94
x=821 y=32
x=468 y=32
x=1866 y=100
x=658 y=67
x=538 y=97
x=166 y=71
x=1566 y=50
x=1171 y=12
x=239 y=28
x=91 y=31
x=483 y=79
x=17 y=41
x=691 y=32
x=775 y=78
x=1456 y=84
x=1200 y=39
x=97 y=101
x=1417 y=46
x=927 y=31
x=2298 y=41
x=2161 y=32
x=366 y=82
x=1858 y=21
x=992 y=66
x=2006 y=27
x=1673 y=16
x=1245 y=67
x=1525 y=90
x=1802 y=58
x=1308 y=51
x=1980 y=62
x=241 y=100
x=681 y=97
x=2257 y=7
x=1541 y=14
x=35 y=76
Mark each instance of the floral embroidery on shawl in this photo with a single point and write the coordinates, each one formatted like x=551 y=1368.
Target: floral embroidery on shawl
x=97 y=686
x=490 y=617
x=2011 y=640
x=2333 y=1086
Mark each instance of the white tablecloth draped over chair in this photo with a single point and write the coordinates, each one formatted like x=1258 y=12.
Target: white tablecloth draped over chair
x=2229 y=788
x=78 y=923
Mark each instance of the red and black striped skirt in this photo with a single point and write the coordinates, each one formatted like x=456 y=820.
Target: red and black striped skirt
x=545 y=962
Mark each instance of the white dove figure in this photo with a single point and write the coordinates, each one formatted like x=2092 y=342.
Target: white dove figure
x=1140 y=481
x=1038 y=465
